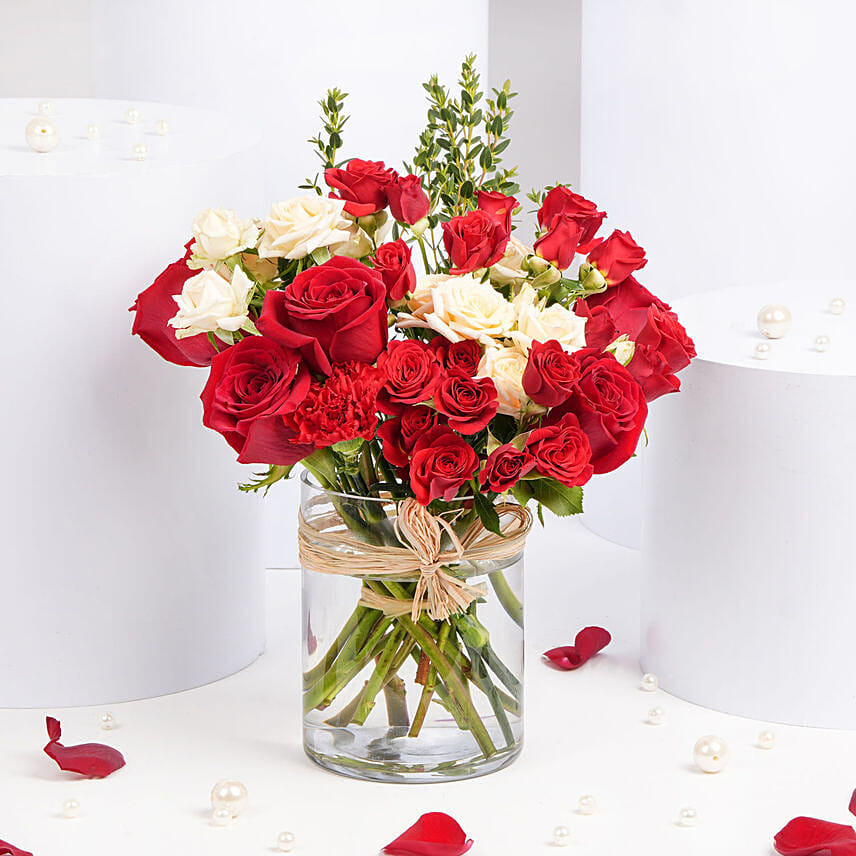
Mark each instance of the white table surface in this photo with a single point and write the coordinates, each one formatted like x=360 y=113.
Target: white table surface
x=585 y=733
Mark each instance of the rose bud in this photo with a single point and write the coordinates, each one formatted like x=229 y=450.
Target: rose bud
x=408 y=202
x=617 y=257
x=474 y=240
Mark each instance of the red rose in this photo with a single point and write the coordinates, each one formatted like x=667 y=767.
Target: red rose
x=252 y=389
x=155 y=306
x=562 y=451
x=463 y=356
x=392 y=262
x=362 y=184
x=559 y=244
x=470 y=403
x=441 y=464
x=623 y=297
x=408 y=202
x=474 y=240
x=563 y=200
x=610 y=407
x=332 y=313
x=399 y=435
x=504 y=467
x=551 y=374
x=410 y=374
x=617 y=257
x=600 y=328
x=498 y=205
x=341 y=407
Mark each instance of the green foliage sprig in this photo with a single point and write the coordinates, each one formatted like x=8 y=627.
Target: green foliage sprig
x=328 y=140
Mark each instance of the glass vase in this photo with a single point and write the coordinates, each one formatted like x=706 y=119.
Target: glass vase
x=389 y=698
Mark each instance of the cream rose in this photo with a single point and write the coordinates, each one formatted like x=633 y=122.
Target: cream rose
x=509 y=269
x=421 y=301
x=297 y=227
x=505 y=367
x=220 y=233
x=356 y=246
x=535 y=323
x=209 y=302
x=623 y=349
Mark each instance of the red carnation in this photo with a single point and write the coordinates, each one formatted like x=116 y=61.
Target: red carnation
x=551 y=374
x=617 y=257
x=470 y=403
x=441 y=464
x=504 y=467
x=399 y=435
x=392 y=262
x=410 y=374
x=463 y=356
x=559 y=244
x=562 y=451
x=498 y=205
x=563 y=200
x=362 y=184
x=474 y=240
x=408 y=202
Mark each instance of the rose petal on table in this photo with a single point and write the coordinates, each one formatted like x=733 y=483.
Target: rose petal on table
x=434 y=834
x=852 y=805
x=7 y=849
x=589 y=641
x=806 y=836
x=93 y=760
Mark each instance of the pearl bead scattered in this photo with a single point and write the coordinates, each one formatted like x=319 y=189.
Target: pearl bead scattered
x=285 y=842
x=561 y=836
x=766 y=739
x=586 y=804
x=222 y=817
x=687 y=817
x=70 y=809
x=821 y=344
x=650 y=682
x=762 y=350
x=140 y=151
x=711 y=754
x=229 y=795
x=45 y=108
x=656 y=716
x=837 y=305
x=42 y=135
x=132 y=115
x=161 y=127
x=93 y=132
x=108 y=721
x=774 y=320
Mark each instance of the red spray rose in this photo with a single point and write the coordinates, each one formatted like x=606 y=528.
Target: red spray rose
x=252 y=387
x=332 y=313
x=93 y=760
x=463 y=356
x=504 y=467
x=551 y=374
x=562 y=451
x=474 y=240
x=155 y=306
x=408 y=202
x=410 y=374
x=563 y=200
x=342 y=407
x=441 y=464
x=362 y=184
x=499 y=205
x=399 y=435
x=617 y=257
x=600 y=328
x=621 y=298
x=470 y=403
x=392 y=262
x=559 y=244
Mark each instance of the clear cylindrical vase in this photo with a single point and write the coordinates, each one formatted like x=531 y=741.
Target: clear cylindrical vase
x=390 y=698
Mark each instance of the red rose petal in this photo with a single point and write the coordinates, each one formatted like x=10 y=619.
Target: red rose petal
x=93 y=760
x=434 y=834
x=806 y=836
x=7 y=849
x=589 y=641
x=852 y=805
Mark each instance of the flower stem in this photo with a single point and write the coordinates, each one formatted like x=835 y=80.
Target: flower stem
x=509 y=600
x=376 y=681
x=319 y=669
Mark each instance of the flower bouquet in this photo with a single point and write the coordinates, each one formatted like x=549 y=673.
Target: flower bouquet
x=437 y=378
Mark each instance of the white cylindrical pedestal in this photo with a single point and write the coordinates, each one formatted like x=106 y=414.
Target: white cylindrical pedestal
x=748 y=591
x=131 y=564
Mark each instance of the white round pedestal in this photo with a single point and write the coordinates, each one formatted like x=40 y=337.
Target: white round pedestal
x=131 y=564
x=749 y=595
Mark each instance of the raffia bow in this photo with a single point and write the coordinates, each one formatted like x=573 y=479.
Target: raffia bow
x=326 y=546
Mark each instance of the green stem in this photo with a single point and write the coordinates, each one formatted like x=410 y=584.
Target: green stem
x=430 y=684
x=421 y=243
x=492 y=695
x=379 y=675
x=318 y=671
x=502 y=671
x=509 y=600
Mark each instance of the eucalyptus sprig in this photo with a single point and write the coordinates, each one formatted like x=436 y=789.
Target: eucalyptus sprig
x=328 y=141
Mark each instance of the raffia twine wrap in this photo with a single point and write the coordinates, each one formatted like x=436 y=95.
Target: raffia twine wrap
x=328 y=547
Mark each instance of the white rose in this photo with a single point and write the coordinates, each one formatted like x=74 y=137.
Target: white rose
x=535 y=323
x=209 y=303
x=623 y=349
x=505 y=367
x=299 y=226
x=356 y=246
x=421 y=301
x=220 y=233
x=509 y=269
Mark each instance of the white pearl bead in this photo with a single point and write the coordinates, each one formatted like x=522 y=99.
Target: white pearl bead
x=821 y=344
x=587 y=804
x=70 y=808
x=45 y=108
x=108 y=721
x=132 y=115
x=227 y=794
x=41 y=135
x=285 y=842
x=711 y=754
x=774 y=320
x=650 y=682
x=762 y=350
x=766 y=739
x=161 y=127
x=93 y=132
x=222 y=817
x=837 y=305
x=687 y=817
x=140 y=151
x=656 y=716
x=561 y=836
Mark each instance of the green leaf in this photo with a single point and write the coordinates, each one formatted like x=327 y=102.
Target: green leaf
x=265 y=480
x=561 y=500
x=522 y=492
x=486 y=512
